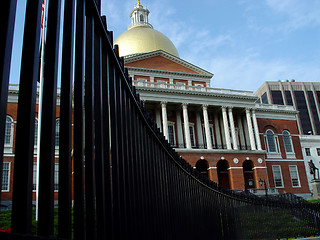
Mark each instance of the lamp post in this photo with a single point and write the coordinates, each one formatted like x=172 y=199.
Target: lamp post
x=265 y=186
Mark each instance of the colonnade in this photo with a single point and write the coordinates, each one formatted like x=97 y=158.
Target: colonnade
x=222 y=133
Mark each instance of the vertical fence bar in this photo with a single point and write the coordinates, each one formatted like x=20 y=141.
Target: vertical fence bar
x=99 y=141
x=78 y=130
x=8 y=12
x=48 y=121
x=114 y=149
x=66 y=121
x=106 y=140
x=89 y=126
x=23 y=163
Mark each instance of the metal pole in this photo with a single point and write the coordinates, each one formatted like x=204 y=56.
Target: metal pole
x=40 y=102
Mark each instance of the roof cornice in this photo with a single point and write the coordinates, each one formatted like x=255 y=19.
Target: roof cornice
x=200 y=93
x=143 y=56
x=166 y=72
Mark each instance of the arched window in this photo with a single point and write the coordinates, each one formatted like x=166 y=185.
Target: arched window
x=202 y=166
x=35 y=132
x=287 y=141
x=8 y=138
x=248 y=174
x=141 y=18
x=271 y=142
x=57 y=132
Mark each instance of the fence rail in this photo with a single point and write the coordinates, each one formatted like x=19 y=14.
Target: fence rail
x=118 y=177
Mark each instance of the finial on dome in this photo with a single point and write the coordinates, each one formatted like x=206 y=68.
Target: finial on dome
x=139 y=5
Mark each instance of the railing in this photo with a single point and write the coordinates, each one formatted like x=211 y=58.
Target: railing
x=124 y=180
x=164 y=85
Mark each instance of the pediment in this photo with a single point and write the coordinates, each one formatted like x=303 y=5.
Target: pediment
x=160 y=60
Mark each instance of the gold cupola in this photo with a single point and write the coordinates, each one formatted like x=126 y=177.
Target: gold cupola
x=140 y=36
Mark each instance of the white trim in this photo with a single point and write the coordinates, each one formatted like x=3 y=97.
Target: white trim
x=9 y=172
x=234 y=168
x=212 y=168
x=282 y=185
x=8 y=147
x=8 y=154
x=258 y=167
x=297 y=172
x=292 y=153
x=143 y=56
x=284 y=160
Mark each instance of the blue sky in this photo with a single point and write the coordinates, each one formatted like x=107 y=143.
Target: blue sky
x=242 y=42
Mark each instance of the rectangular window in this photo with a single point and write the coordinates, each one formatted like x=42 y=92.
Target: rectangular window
x=192 y=138
x=294 y=176
x=171 y=135
x=211 y=136
x=56 y=177
x=264 y=98
x=318 y=151
x=8 y=132
x=34 y=176
x=5 y=176
x=277 y=176
x=277 y=97
x=308 y=153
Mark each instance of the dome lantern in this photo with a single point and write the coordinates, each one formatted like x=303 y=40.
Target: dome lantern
x=139 y=17
x=140 y=36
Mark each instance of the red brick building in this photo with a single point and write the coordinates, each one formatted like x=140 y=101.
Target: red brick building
x=224 y=133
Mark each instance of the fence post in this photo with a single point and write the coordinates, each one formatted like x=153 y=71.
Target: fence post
x=23 y=162
x=8 y=12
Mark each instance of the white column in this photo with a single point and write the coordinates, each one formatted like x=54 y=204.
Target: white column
x=226 y=127
x=217 y=129
x=251 y=136
x=207 y=126
x=242 y=141
x=165 y=120
x=158 y=118
x=179 y=129
x=186 y=125
x=256 y=129
x=199 y=129
x=233 y=130
x=151 y=78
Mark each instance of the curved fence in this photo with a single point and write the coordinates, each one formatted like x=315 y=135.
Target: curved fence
x=118 y=176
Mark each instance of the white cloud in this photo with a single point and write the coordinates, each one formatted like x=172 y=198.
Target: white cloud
x=299 y=13
x=249 y=72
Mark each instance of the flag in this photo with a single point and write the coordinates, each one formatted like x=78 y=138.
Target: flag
x=43 y=14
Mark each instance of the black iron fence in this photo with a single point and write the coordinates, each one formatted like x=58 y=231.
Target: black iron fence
x=118 y=177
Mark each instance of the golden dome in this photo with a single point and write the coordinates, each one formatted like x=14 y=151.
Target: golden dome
x=141 y=37
x=144 y=39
